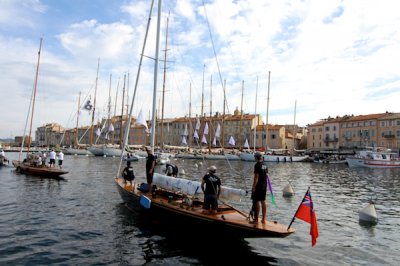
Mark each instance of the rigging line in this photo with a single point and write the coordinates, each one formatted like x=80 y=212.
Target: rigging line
x=74 y=114
x=215 y=54
x=128 y=124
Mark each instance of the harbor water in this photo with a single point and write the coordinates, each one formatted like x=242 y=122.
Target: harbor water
x=81 y=219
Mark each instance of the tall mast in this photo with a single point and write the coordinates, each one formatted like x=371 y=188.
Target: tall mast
x=94 y=103
x=256 y=119
x=266 y=129
x=128 y=124
x=127 y=96
x=122 y=113
x=153 y=124
x=109 y=108
x=34 y=94
x=127 y=106
x=77 y=121
x=294 y=124
x=223 y=117
x=241 y=117
x=163 y=91
x=210 y=127
x=190 y=115
x=202 y=93
x=115 y=112
x=202 y=116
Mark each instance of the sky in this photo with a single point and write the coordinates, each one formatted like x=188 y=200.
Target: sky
x=322 y=59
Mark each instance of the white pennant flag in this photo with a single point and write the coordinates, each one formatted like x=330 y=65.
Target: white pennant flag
x=231 y=141
x=98 y=132
x=205 y=129
x=111 y=128
x=246 y=144
x=184 y=140
x=141 y=120
x=214 y=142
x=195 y=135
x=218 y=131
x=186 y=133
x=107 y=137
x=168 y=127
x=197 y=124
x=204 y=140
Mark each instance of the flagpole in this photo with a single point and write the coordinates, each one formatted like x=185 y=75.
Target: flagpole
x=294 y=217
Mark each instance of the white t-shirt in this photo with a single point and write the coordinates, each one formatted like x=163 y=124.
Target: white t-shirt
x=52 y=155
x=61 y=156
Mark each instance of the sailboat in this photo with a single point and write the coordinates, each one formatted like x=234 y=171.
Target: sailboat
x=77 y=149
x=110 y=150
x=281 y=154
x=95 y=149
x=249 y=155
x=178 y=201
x=33 y=164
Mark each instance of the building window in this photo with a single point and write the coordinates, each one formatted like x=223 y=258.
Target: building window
x=334 y=128
x=273 y=136
x=326 y=128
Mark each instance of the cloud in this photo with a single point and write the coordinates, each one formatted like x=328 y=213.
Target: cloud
x=334 y=58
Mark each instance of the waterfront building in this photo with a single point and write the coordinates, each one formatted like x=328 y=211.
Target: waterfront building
x=49 y=134
x=389 y=131
x=355 y=132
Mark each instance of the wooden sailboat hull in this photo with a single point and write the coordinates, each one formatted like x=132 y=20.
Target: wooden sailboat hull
x=183 y=212
x=42 y=171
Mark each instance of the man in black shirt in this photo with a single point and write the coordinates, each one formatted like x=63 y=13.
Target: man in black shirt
x=211 y=186
x=150 y=164
x=171 y=170
x=259 y=188
x=127 y=173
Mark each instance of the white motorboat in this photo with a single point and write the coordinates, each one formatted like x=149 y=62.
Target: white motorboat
x=374 y=159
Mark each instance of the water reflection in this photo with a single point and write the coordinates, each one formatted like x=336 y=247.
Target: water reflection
x=180 y=246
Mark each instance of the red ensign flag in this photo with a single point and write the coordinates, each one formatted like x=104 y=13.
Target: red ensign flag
x=307 y=214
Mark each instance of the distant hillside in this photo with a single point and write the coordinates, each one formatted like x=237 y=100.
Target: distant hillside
x=6 y=140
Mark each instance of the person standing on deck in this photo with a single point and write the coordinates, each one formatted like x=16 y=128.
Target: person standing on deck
x=60 y=159
x=44 y=156
x=259 y=188
x=52 y=157
x=150 y=164
x=211 y=186
x=127 y=173
x=171 y=170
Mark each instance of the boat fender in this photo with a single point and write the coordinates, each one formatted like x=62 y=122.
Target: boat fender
x=145 y=201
